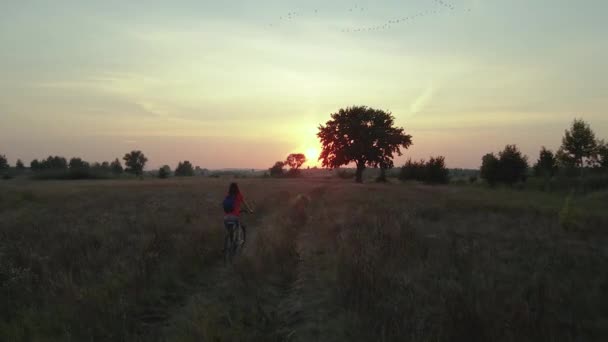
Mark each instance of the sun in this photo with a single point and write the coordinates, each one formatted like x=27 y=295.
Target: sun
x=312 y=155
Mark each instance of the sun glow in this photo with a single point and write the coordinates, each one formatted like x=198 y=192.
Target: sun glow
x=312 y=156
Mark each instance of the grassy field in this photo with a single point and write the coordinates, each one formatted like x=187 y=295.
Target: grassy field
x=325 y=260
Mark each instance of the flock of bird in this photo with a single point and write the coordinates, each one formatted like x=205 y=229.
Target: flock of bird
x=388 y=24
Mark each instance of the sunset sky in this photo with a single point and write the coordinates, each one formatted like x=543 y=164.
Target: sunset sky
x=243 y=83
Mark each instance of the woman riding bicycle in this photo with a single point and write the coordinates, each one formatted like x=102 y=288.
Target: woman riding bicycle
x=232 y=208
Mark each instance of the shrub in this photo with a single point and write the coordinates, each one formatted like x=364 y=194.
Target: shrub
x=510 y=167
x=164 y=172
x=277 y=169
x=413 y=170
x=432 y=172
x=436 y=172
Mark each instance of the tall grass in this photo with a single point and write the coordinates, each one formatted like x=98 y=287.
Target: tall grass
x=324 y=260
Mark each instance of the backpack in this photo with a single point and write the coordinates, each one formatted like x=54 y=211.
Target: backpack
x=229 y=204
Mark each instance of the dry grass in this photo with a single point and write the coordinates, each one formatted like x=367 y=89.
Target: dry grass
x=326 y=260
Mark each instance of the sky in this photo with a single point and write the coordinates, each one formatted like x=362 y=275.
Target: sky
x=231 y=84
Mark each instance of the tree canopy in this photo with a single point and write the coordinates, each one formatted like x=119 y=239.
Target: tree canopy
x=361 y=135
x=184 y=169
x=135 y=162
x=295 y=160
x=578 y=144
x=546 y=166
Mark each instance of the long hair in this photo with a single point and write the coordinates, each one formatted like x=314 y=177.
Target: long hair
x=233 y=190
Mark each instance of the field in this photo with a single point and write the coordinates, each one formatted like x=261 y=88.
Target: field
x=326 y=260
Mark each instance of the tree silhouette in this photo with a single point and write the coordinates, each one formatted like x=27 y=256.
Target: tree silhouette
x=184 y=169
x=135 y=161
x=490 y=167
x=361 y=135
x=602 y=154
x=578 y=144
x=3 y=162
x=513 y=165
x=295 y=160
x=277 y=169
x=164 y=172
x=78 y=164
x=116 y=167
x=546 y=165
x=436 y=171
x=19 y=165
x=35 y=165
x=54 y=163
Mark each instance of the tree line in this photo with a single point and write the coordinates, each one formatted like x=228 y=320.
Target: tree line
x=580 y=150
x=56 y=167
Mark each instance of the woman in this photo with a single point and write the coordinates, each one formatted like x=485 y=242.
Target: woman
x=232 y=208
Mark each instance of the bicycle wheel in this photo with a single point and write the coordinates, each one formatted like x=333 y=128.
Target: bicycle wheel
x=229 y=243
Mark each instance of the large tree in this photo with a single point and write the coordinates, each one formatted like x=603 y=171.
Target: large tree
x=578 y=144
x=135 y=161
x=361 y=135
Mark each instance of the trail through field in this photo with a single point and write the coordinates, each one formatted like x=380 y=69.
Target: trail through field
x=274 y=289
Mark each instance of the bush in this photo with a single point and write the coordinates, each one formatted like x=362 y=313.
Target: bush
x=164 y=172
x=436 y=172
x=510 y=167
x=413 y=170
x=431 y=172
x=277 y=169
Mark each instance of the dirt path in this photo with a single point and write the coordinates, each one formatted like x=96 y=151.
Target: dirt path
x=275 y=290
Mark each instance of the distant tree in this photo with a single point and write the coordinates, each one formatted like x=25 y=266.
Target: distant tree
x=490 y=168
x=184 y=169
x=295 y=160
x=433 y=172
x=116 y=167
x=436 y=171
x=54 y=163
x=361 y=135
x=35 y=165
x=20 y=167
x=546 y=166
x=602 y=154
x=164 y=172
x=135 y=161
x=277 y=169
x=3 y=162
x=513 y=165
x=578 y=144
x=77 y=163
x=413 y=170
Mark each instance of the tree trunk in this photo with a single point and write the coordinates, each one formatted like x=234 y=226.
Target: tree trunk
x=382 y=177
x=360 y=168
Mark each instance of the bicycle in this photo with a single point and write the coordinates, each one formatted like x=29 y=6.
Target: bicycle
x=234 y=240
